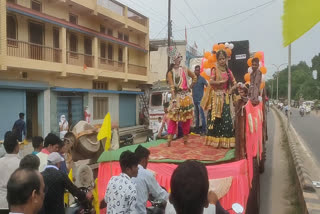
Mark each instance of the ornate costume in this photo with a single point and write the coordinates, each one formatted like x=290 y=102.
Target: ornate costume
x=181 y=105
x=219 y=101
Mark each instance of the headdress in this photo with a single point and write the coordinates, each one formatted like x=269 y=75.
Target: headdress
x=173 y=53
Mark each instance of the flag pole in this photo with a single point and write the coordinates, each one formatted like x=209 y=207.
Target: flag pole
x=289 y=84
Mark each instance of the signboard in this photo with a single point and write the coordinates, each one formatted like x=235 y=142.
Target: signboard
x=241 y=56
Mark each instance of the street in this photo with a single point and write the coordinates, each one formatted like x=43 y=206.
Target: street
x=276 y=192
x=308 y=129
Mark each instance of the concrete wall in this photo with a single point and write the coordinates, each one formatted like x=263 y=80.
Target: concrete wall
x=159 y=62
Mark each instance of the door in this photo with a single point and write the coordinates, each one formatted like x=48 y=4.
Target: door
x=88 y=52
x=127 y=110
x=12 y=103
x=36 y=33
x=32 y=115
x=71 y=107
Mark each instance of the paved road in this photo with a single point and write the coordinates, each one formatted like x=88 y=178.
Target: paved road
x=308 y=127
x=265 y=178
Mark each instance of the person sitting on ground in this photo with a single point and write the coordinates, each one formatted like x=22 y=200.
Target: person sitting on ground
x=51 y=144
x=25 y=191
x=163 y=131
x=146 y=183
x=37 y=143
x=8 y=164
x=56 y=183
x=30 y=161
x=121 y=194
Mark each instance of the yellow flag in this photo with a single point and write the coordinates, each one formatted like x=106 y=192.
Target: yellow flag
x=298 y=18
x=105 y=131
x=96 y=203
x=70 y=175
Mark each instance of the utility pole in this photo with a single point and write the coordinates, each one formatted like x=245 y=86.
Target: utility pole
x=169 y=29
x=272 y=90
x=289 y=84
x=277 y=73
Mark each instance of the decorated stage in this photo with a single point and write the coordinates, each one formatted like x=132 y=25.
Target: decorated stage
x=229 y=180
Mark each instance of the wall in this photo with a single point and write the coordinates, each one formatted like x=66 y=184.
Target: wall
x=159 y=62
x=113 y=107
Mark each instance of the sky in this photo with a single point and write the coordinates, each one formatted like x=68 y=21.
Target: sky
x=258 y=21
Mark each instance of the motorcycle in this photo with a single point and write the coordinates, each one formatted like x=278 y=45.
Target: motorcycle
x=81 y=208
x=301 y=111
x=158 y=207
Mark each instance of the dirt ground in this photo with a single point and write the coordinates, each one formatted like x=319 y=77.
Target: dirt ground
x=278 y=193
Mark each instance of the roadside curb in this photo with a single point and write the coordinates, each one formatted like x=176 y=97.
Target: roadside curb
x=310 y=198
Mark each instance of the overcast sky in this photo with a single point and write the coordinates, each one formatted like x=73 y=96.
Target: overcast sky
x=258 y=21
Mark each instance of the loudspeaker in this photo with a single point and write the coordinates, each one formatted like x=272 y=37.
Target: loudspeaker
x=238 y=62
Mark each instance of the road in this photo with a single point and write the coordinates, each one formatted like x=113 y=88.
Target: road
x=308 y=128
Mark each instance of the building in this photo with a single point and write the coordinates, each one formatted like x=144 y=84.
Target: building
x=59 y=56
x=159 y=57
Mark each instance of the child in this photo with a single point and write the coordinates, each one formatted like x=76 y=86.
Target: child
x=37 y=143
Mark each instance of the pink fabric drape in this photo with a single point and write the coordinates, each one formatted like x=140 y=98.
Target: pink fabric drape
x=253 y=134
x=239 y=190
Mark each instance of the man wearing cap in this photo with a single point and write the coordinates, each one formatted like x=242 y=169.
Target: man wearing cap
x=56 y=183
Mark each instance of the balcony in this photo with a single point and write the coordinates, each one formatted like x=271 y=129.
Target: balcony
x=137 y=69
x=29 y=50
x=107 y=64
x=79 y=59
x=132 y=15
x=111 y=5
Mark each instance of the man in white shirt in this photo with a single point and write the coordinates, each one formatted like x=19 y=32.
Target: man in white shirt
x=25 y=191
x=51 y=144
x=145 y=182
x=8 y=164
x=121 y=193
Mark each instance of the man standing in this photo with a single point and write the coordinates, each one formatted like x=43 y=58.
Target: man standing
x=56 y=183
x=8 y=164
x=255 y=82
x=197 y=93
x=121 y=194
x=25 y=191
x=19 y=127
x=145 y=182
x=51 y=144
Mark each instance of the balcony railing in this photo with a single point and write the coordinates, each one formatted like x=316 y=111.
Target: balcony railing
x=74 y=58
x=112 y=5
x=137 y=69
x=107 y=64
x=33 y=51
x=137 y=18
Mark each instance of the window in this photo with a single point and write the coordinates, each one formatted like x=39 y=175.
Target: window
x=110 y=52
x=126 y=38
x=100 y=85
x=11 y=27
x=73 y=43
x=110 y=32
x=73 y=18
x=156 y=99
x=120 y=55
x=36 y=5
x=103 y=50
x=100 y=107
x=120 y=35
x=102 y=29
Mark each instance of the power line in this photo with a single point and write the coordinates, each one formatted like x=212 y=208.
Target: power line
x=203 y=28
x=228 y=17
x=161 y=31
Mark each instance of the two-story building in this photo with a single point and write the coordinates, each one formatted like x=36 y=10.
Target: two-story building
x=59 y=56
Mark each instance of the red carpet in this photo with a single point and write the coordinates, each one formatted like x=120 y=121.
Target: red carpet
x=194 y=150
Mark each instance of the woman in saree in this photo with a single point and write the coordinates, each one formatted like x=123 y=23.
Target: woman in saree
x=219 y=103
x=181 y=103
